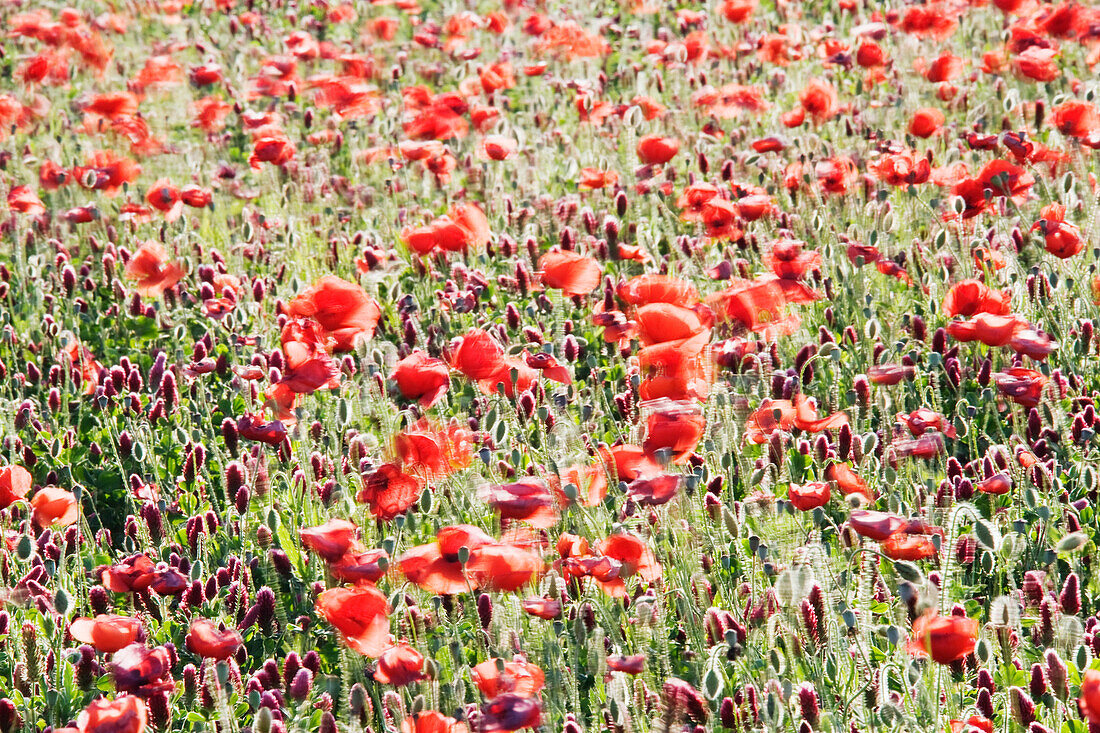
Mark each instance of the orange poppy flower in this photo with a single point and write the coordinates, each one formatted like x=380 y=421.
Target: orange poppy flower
x=847 y=480
x=926 y=122
x=819 y=100
x=657 y=150
x=676 y=427
x=503 y=567
x=570 y=272
x=331 y=539
x=106 y=632
x=360 y=614
x=436 y=566
x=650 y=288
x=54 y=507
x=528 y=500
x=594 y=178
x=389 y=491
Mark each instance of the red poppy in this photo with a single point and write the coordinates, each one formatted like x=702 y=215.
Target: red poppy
x=1062 y=239
x=106 y=632
x=501 y=566
x=675 y=428
x=928 y=445
x=943 y=638
x=309 y=367
x=142 y=671
x=657 y=150
x=787 y=259
x=15 y=483
x=1075 y=118
x=819 y=100
x=570 y=272
x=342 y=308
x=633 y=664
x=1033 y=343
x=808 y=496
x=548 y=366
x=634 y=558
x=1089 y=699
x=904 y=546
x=655 y=490
x=902 y=169
x=991 y=330
x=124 y=714
x=923 y=420
x=529 y=500
x=847 y=480
x=152 y=272
x=274 y=148
x=429 y=451
x=496 y=677
x=661 y=322
x=477 y=356
x=974 y=722
x=890 y=374
x=1037 y=63
x=22 y=200
x=629 y=462
x=422 y=378
x=997 y=484
x=399 y=665
x=210 y=642
x=389 y=491
x=969 y=297
x=106 y=171
x=544 y=608
x=509 y=712
x=875 y=525
x=498 y=147
x=926 y=122
x=360 y=614
x=436 y=566
x=1022 y=386
x=252 y=427
x=594 y=178
x=430 y=721
x=165 y=198
x=54 y=507
x=331 y=539
x=678 y=370
x=360 y=566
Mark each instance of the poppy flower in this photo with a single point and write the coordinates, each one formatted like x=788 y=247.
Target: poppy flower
x=819 y=100
x=633 y=664
x=1075 y=118
x=923 y=420
x=657 y=150
x=165 y=198
x=570 y=272
x=495 y=677
x=252 y=427
x=430 y=721
x=693 y=200
x=633 y=557
x=273 y=148
x=968 y=297
x=141 y=671
x=331 y=539
x=106 y=171
x=434 y=452
x=54 y=507
x=974 y=722
x=787 y=259
x=901 y=169
x=1061 y=238
x=15 y=483
x=342 y=308
x=209 y=642
x=890 y=374
x=926 y=122
x=943 y=638
x=151 y=270
x=529 y=500
x=1089 y=699
x=997 y=484
x=477 y=355
x=360 y=566
x=124 y=714
x=1029 y=342
x=928 y=445
x=629 y=462
x=661 y=322
x=436 y=566
x=548 y=366
x=808 y=496
x=654 y=491
x=991 y=330
x=1037 y=64
x=875 y=525
x=847 y=480
x=905 y=546
x=106 y=632
x=1022 y=386
x=675 y=427
x=389 y=491
x=544 y=608
x=509 y=712
x=399 y=665
x=502 y=566
x=594 y=178
x=360 y=614
x=22 y=200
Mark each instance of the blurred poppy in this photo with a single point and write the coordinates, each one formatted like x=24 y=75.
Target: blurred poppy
x=787 y=259
x=331 y=539
x=142 y=671
x=675 y=428
x=890 y=374
x=1075 y=118
x=544 y=608
x=968 y=297
x=342 y=308
x=124 y=714
x=661 y=322
x=399 y=665
x=389 y=491
x=923 y=420
x=496 y=677
x=509 y=712
x=812 y=495
x=594 y=178
x=106 y=632
x=633 y=664
x=422 y=378
x=210 y=642
x=15 y=483
x=818 y=99
x=430 y=721
x=656 y=150
x=926 y=122
x=152 y=272
x=360 y=614
x=943 y=638
x=875 y=525
x=528 y=500
x=997 y=484
x=437 y=567
x=1061 y=238
x=570 y=272
x=1022 y=386
x=911 y=547
x=847 y=480
x=54 y=507
x=991 y=330
x=654 y=491
x=633 y=557
x=477 y=356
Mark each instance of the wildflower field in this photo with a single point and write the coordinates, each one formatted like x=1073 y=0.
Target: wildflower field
x=625 y=367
